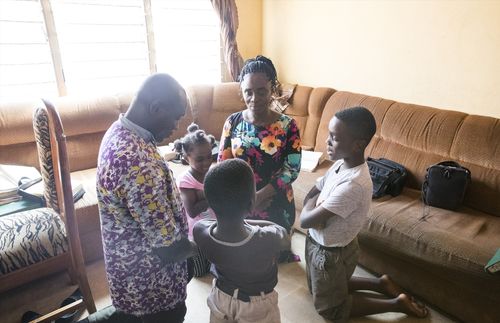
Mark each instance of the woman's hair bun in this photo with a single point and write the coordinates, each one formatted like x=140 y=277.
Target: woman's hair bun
x=264 y=59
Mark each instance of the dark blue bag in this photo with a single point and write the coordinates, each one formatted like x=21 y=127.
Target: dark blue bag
x=388 y=177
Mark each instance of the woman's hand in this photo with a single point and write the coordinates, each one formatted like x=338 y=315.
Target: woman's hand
x=264 y=197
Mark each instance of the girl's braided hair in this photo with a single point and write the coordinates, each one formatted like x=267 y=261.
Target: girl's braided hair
x=194 y=136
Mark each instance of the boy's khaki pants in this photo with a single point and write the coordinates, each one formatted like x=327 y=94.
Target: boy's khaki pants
x=226 y=308
x=328 y=272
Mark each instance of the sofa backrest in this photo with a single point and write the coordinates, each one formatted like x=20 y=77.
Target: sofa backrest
x=419 y=136
x=17 y=140
x=306 y=107
x=85 y=120
x=212 y=104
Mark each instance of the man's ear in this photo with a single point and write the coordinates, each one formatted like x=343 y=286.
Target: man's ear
x=154 y=107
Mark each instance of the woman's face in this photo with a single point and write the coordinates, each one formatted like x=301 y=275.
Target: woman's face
x=256 y=89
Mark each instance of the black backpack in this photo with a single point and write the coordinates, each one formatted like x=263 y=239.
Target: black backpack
x=388 y=177
x=445 y=185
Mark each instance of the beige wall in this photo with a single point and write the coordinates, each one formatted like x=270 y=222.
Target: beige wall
x=443 y=54
x=249 y=34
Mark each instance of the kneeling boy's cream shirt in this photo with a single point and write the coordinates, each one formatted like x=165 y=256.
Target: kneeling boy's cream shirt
x=348 y=194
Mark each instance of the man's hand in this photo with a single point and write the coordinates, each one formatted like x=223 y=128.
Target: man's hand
x=178 y=251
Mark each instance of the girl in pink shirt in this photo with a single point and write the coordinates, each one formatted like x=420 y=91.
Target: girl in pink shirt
x=196 y=149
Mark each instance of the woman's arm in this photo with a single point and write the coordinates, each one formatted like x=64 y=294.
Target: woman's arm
x=264 y=197
x=192 y=202
x=225 y=151
x=291 y=164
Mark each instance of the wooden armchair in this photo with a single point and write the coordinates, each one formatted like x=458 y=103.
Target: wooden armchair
x=40 y=242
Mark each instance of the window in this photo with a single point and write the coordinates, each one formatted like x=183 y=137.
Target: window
x=103 y=44
x=25 y=59
x=187 y=38
x=58 y=47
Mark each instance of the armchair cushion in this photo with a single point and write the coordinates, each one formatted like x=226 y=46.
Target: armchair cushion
x=30 y=237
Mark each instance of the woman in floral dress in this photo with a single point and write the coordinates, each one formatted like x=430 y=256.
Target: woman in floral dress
x=267 y=140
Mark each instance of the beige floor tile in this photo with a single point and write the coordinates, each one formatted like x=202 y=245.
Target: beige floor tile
x=294 y=299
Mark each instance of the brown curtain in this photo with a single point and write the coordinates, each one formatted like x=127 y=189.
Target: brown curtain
x=228 y=15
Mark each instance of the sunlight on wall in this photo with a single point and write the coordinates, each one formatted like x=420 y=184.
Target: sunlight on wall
x=438 y=53
x=249 y=35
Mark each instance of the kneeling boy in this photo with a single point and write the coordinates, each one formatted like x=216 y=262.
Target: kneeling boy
x=334 y=212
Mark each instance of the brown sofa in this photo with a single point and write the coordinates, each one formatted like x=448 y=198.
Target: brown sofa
x=439 y=257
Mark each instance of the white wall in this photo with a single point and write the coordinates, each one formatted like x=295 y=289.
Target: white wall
x=444 y=54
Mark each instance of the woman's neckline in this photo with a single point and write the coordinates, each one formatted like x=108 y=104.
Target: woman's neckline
x=275 y=117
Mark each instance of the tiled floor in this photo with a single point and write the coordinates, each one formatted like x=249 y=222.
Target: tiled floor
x=294 y=299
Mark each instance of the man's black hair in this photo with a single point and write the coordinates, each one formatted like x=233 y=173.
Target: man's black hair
x=359 y=121
x=230 y=187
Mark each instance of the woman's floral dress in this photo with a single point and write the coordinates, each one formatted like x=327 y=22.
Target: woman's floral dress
x=273 y=152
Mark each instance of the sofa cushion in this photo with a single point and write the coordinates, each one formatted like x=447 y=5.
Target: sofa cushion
x=463 y=240
x=477 y=146
x=87 y=215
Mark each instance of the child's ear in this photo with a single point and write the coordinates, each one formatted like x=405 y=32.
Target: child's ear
x=360 y=145
x=184 y=160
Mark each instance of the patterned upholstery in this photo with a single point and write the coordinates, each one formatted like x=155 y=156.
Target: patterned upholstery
x=42 y=137
x=27 y=238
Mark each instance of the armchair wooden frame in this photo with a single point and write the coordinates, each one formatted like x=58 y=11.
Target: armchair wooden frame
x=63 y=204
x=66 y=205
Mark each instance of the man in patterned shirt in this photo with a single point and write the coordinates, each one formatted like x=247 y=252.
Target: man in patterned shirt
x=144 y=230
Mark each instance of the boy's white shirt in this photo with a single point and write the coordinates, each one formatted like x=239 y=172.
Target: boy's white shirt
x=347 y=194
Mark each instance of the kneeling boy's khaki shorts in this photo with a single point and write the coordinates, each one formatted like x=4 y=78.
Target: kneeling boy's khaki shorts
x=328 y=274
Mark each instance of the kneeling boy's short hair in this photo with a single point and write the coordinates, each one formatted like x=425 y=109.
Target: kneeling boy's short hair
x=359 y=121
x=229 y=187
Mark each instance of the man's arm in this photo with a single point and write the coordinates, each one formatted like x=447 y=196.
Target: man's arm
x=153 y=201
x=177 y=251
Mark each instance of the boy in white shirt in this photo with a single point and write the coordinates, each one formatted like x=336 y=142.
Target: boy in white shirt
x=334 y=212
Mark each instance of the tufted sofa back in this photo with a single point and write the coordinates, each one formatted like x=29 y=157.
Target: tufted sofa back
x=212 y=104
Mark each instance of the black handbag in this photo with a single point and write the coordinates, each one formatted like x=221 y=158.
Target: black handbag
x=388 y=177
x=445 y=185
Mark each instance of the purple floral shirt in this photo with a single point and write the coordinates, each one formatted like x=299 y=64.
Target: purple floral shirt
x=140 y=209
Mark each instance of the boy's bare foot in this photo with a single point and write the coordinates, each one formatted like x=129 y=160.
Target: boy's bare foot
x=411 y=307
x=393 y=290
x=390 y=287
